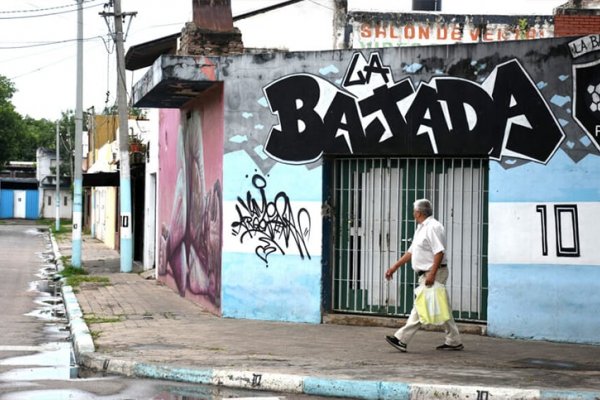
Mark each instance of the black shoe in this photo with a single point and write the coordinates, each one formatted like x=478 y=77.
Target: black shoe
x=393 y=340
x=448 y=347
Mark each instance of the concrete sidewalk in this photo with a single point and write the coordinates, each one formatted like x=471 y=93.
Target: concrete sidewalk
x=161 y=335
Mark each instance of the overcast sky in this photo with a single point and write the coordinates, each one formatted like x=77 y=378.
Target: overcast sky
x=45 y=74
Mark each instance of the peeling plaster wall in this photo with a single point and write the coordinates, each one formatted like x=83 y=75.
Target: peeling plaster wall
x=541 y=156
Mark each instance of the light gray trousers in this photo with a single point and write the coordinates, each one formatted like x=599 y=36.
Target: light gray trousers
x=413 y=324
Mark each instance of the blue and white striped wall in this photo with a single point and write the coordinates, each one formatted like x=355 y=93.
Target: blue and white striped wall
x=544 y=258
x=287 y=287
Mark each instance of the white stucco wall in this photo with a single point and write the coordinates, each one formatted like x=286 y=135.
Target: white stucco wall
x=150 y=199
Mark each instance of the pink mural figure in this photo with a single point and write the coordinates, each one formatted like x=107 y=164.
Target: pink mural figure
x=190 y=242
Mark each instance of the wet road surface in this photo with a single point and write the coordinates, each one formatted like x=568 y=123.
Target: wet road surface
x=36 y=356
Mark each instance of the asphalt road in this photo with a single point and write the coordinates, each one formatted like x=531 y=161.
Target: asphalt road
x=21 y=248
x=35 y=351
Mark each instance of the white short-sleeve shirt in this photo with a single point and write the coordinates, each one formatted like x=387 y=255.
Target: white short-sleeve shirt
x=429 y=239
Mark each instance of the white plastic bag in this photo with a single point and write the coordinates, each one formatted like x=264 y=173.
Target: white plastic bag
x=432 y=304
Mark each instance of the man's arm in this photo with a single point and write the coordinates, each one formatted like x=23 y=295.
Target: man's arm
x=437 y=261
x=403 y=260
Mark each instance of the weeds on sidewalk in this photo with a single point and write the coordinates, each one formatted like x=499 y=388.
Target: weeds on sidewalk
x=76 y=276
x=65 y=228
x=94 y=319
x=95 y=335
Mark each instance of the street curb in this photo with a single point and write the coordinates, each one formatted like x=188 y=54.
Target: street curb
x=80 y=333
x=286 y=383
x=319 y=386
x=57 y=254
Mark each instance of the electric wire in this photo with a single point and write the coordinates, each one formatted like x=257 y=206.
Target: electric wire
x=44 y=9
x=49 y=14
x=42 y=44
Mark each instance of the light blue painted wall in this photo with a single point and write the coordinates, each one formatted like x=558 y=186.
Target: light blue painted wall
x=288 y=290
x=31 y=204
x=560 y=180
x=297 y=181
x=6 y=203
x=545 y=302
x=556 y=301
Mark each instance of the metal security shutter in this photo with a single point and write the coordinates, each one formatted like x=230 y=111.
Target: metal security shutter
x=373 y=226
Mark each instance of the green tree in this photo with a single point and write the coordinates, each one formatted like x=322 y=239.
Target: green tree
x=34 y=133
x=10 y=122
x=20 y=137
x=67 y=140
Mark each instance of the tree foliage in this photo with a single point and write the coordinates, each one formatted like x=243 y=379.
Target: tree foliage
x=10 y=121
x=20 y=137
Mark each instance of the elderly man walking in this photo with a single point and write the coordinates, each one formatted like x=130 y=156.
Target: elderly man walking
x=428 y=255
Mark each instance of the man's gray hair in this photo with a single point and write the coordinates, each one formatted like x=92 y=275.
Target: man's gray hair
x=423 y=206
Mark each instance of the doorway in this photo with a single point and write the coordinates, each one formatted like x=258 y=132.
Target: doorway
x=20 y=204
x=373 y=226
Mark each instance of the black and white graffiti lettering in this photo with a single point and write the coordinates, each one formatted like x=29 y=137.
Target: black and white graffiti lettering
x=542 y=210
x=374 y=115
x=566 y=230
x=272 y=223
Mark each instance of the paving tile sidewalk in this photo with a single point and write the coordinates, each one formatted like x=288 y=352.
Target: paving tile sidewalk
x=160 y=334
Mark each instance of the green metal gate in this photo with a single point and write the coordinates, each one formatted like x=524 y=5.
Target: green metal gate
x=373 y=226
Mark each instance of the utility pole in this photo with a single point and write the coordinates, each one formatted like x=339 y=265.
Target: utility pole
x=77 y=173
x=125 y=222
x=57 y=187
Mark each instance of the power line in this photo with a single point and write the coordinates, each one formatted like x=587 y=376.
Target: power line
x=50 y=14
x=41 y=44
x=44 y=9
x=40 y=68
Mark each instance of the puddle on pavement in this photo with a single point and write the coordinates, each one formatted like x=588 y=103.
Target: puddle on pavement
x=52 y=354
x=39 y=374
x=51 y=361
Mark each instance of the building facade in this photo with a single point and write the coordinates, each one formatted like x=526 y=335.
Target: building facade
x=19 y=195
x=286 y=180
x=46 y=176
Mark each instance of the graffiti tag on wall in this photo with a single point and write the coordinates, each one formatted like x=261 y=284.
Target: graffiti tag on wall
x=372 y=114
x=272 y=223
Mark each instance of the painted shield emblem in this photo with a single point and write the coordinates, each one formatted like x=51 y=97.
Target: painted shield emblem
x=586 y=92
